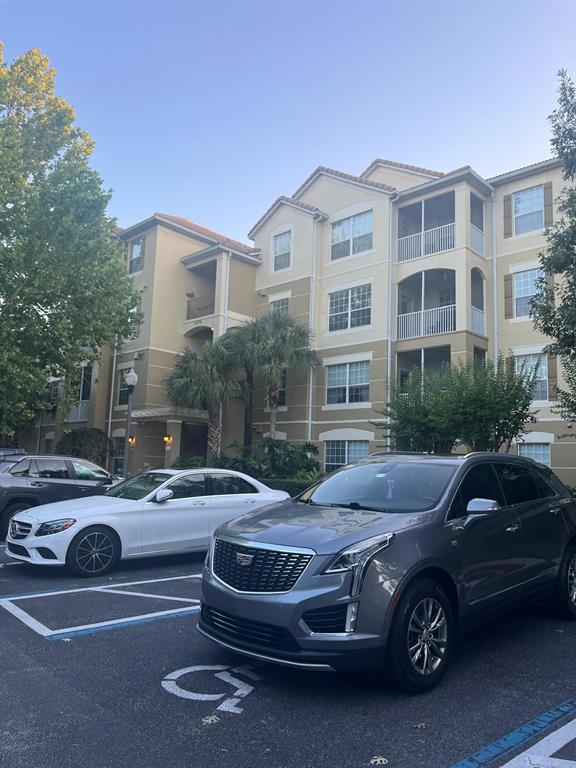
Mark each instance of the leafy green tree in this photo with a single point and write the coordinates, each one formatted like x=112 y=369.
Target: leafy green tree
x=86 y=443
x=263 y=348
x=199 y=380
x=64 y=292
x=482 y=406
x=554 y=308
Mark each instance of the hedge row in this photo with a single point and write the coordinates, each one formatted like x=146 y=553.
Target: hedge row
x=293 y=487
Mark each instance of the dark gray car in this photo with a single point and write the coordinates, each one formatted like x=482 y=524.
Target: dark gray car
x=383 y=562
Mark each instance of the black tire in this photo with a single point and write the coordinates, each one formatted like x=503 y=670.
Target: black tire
x=93 y=552
x=9 y=512
x=566 y=586
x=418 y=653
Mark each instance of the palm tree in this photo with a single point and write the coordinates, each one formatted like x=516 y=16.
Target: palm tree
x=199 y=381
x=265 y=346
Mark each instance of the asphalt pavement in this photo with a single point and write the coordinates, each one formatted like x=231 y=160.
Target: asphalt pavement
x=111 y=672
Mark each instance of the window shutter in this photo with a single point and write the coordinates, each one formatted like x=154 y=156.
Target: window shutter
x=552 y=377
x=142 y=249
x=507 y=215
x=548 y=205
x=508 y=296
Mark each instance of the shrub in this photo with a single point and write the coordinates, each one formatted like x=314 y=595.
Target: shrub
x=86 y=443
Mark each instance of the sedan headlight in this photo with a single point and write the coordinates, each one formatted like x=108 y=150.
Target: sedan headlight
x=357 y=558
x=55 y=526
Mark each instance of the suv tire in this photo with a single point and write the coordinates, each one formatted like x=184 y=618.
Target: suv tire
x=9 y=512
x=421 y=637
x=566 y=586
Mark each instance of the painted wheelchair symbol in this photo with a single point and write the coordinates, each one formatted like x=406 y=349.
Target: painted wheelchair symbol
x=230 y=703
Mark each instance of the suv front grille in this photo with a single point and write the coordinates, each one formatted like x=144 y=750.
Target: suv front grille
x=19 y=530
x=331 y=618
x=248 y=632
x=250 y=569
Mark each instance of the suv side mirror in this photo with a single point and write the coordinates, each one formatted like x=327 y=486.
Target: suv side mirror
x=163 y=495
x=481 y=506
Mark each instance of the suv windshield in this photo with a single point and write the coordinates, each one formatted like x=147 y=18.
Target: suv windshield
x=386 y=486
x=139 y=486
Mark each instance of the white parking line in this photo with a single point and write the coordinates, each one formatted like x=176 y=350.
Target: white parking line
x=192 y=606
x=540 y=755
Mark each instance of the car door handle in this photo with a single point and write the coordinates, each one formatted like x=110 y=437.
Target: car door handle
x=249 y=501
x=554 y=510
x=199 y=504
x=37 y=485
x=513 y=529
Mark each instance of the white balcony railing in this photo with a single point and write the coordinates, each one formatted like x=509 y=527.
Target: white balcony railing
x=427 y=323
x=476 y=239
x=479 y=321
x=427 y=242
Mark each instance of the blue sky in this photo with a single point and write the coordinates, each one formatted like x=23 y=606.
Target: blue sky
x=212 y=110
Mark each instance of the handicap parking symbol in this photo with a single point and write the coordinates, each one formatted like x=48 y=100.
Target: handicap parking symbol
x=231 y=699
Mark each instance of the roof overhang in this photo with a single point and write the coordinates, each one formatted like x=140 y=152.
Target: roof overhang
x=343 y=177
x=528 y=170
x=465 y=174
x=281 y=201
x=213 y=251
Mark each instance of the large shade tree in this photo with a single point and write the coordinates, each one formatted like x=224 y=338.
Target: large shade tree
x=64 y=292
x=200 y=381
x=554 y=308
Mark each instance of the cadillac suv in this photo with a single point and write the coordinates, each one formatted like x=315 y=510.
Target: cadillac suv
x=380 y=564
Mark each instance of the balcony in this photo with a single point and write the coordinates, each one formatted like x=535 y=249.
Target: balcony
x=476 y=239
x=427 y=304
x=199 y=306
x=479 y=321
x=426 y=227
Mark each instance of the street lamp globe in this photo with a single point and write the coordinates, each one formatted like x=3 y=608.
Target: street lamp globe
x=131 y=378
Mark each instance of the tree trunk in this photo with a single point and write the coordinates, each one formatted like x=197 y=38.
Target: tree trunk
x=248 y=413
x=214 y=435
x=273 y=416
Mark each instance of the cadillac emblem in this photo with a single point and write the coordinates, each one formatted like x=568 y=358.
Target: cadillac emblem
x=243 y=559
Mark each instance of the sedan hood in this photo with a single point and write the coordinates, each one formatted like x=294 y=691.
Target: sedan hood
x=78 y=508
x=326 y=530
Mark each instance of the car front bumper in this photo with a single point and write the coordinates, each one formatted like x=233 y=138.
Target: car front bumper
x=271 y=627
x=39 y=550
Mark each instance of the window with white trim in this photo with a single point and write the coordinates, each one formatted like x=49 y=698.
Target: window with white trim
x=352 y=235
x=282 y=251
x=280 y=305
x=350 y=308
x=122 y=388
x=348 y=383
x=525 y=287
x=118 y=464
x=338 y=453
x=529 y=210
x=135 y=259
x=537 y=451
x=527 y=364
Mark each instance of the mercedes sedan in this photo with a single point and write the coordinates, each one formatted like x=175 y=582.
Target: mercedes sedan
x=156 y=513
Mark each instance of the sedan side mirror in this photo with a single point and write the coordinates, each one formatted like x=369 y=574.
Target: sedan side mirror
x=163 y=495
x=481 y=506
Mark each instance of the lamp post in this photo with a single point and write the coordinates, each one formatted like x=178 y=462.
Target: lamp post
x=130 y=379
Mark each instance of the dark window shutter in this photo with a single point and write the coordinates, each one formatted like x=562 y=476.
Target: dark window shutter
x=508 y=296
x=552 y=377
x=548 y=205
x=507 y=215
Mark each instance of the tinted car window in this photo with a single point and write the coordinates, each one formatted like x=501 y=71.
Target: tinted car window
x=392 y=486
x=53 y=469
x=189 y=486
x=522 y=484
x=139 y=486
x=228 y=484
x=86 y=471
x=22 y=469
x=480 y=482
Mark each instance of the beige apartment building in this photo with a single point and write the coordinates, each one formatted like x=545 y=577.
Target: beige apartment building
x=397 y=268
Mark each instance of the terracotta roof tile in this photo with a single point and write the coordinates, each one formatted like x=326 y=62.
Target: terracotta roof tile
x=226 y=242
x=342 y=175
x=405 y=166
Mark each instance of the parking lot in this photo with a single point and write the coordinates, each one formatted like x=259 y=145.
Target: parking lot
x=111 y=671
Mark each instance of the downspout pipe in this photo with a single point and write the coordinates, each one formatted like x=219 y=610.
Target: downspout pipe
x=111 y=396
x=311 y=325
x=495 y=283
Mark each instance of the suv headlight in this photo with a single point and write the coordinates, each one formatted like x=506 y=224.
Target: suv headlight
x=357 y=558
x=55 y=526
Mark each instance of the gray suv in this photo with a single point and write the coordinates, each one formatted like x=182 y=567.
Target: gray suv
x=383 y=562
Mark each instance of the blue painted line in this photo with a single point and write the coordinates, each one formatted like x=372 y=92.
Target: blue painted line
x=121 y=625
x=518 y=736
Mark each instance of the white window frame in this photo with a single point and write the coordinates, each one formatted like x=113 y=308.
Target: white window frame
x=514 y=290
x=349 y=290
x=347 y=444
x=351 y=219
x=528 y=449
x=347 y=403
x=543 y=368
x=519 y=192
x=131 y=259
x=284 y=309
x=289 y=252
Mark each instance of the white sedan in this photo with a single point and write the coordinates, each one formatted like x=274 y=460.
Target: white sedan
x=161 y=512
